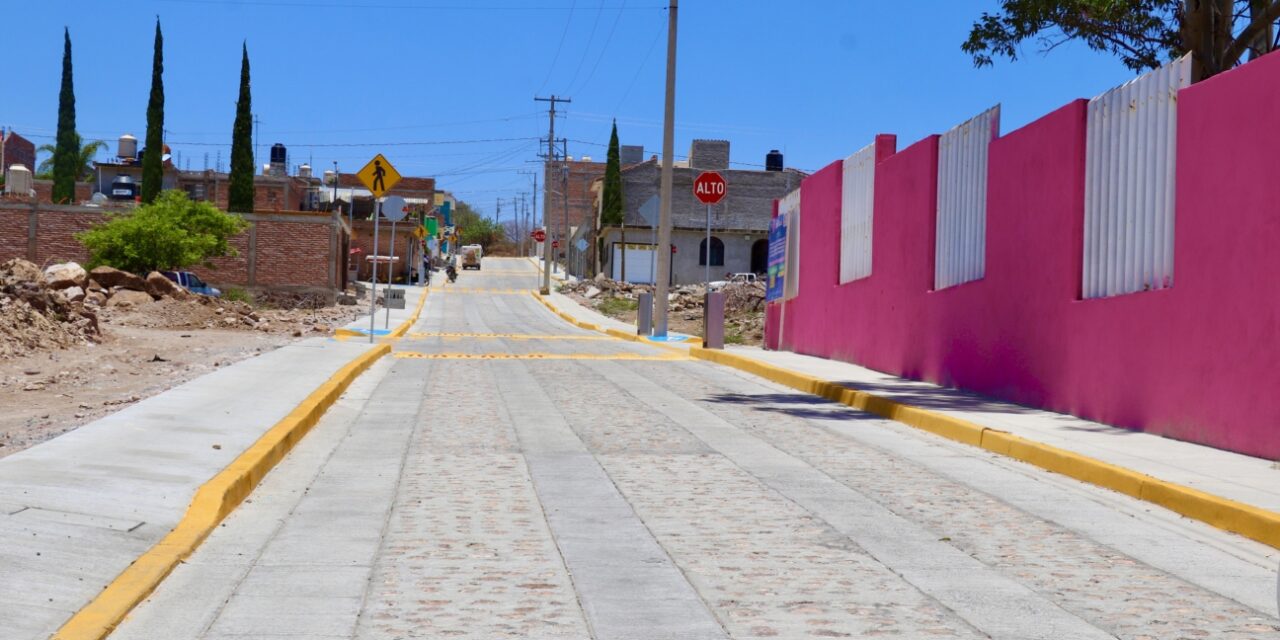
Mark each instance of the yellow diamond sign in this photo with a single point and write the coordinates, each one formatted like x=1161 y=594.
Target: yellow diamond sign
x=379 y=176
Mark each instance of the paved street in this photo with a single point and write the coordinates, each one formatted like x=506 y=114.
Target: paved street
x=508 y=475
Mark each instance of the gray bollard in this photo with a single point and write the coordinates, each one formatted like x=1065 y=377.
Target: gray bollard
x=644 y=314
x=713 y=320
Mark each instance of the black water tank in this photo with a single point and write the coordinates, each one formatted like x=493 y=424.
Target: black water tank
x=278 y=154
x=124 y=188
x=773 y=161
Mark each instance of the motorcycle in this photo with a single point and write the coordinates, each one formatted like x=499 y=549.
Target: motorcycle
x=452 y=273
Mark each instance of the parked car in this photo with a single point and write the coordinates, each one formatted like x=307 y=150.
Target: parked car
x=192 y=283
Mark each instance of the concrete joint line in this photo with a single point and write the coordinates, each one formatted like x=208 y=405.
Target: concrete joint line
x=398 y=332
x=1226 y=514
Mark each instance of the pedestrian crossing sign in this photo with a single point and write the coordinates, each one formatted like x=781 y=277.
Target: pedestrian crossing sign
x=379 y=176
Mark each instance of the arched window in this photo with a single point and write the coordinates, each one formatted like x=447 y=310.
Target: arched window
x=717 y=252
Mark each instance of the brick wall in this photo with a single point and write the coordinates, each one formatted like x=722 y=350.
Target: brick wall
x=288 y=249
x=581 y=201
x=364 y=242
x=18 y=150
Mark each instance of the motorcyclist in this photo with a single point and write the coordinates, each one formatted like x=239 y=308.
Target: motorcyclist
x=452 y=272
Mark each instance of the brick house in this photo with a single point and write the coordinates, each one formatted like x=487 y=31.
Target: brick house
x=15 y=149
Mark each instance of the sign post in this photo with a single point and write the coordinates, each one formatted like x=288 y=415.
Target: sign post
x=378 y=176
x=394 y=208
x=709 y=188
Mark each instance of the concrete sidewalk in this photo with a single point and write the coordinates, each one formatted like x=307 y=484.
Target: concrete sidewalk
x=1245 y=479
x=78 y=510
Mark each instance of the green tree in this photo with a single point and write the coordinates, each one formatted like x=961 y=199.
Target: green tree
x=240 y=188
x=475 y=228
x=153 y=157
x=1142 y=33
x=612 y=210
x=66 y=153
x=84 y=158
x=171 y=233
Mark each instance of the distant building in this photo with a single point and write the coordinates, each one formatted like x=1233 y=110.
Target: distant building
x=739 y=224
x=15 y=149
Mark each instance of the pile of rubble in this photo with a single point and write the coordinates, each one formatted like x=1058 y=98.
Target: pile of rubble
x=35 y=314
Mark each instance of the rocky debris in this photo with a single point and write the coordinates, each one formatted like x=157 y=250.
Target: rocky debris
x=112 y=278
x=66 y=275
x=74 y=294
x=161 y=287
x=127 y=298
x=35 y=316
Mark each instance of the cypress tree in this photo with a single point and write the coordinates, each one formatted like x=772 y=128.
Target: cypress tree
x=611 y=210
x=67 y=152
x=153 y=158
x=240 y=189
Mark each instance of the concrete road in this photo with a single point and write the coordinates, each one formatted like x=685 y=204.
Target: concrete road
x=507 y=475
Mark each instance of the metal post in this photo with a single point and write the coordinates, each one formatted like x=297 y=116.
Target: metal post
x=707 y=284
x=391 y=263
x=373 y=293
x=668 y=150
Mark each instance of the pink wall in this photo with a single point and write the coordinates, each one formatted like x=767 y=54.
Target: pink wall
x=1199 y=362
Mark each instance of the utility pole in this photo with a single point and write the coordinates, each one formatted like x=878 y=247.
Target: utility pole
x=257 y=129
x=663 y=250
x=551 y=156
x=564 y=195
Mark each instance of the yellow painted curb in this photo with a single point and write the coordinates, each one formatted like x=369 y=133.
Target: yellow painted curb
x=1226 y=514
x=213 y=501
x=616 y=333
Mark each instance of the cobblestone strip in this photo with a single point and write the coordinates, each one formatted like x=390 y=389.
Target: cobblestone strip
x=467 y=553
x=628 y=586
x=994 y=604
x=1126 y=597
x=767 y=567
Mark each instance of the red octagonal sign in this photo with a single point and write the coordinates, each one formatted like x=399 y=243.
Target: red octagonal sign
x=710 y=187
x=539 y=235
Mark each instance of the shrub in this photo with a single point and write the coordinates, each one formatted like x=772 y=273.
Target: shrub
x=171 y=233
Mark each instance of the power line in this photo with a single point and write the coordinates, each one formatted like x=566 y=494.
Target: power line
x=408 y=7
x=587 y=49
x=568 y=21
x=643 y=62
x=607 y=41
x=353 y=144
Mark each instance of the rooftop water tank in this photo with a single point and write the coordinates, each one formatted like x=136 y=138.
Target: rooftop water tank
x=329 y=177
x=17 y=180
x=304 y=171
x=127 y=147
x=773 y=160
x=279 y=155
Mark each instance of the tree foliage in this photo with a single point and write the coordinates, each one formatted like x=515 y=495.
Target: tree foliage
x=611 y=210
x=240 y=187
x=65 y=154
x=1142 y=33
x=171 y=233
x=153 y=157
x=476 y=229
x=84 y=158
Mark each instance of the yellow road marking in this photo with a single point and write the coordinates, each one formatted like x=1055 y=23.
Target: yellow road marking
x=538 y=356
x=478 y=290
x=512 y=336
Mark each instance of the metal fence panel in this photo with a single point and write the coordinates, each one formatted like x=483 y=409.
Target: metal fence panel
x=857 y=202
x=789 y=206
x=1129 y=184
x=961 y=241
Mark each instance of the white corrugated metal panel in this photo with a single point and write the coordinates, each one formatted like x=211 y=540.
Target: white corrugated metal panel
x=857 y=197
x=1129 y=184
x=789 y=206
x=961 y=242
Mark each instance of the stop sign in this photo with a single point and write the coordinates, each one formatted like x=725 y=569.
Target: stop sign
x=539 y=235
x=710 y=187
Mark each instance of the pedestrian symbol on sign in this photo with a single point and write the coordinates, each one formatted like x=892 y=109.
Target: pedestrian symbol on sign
x=378 y=174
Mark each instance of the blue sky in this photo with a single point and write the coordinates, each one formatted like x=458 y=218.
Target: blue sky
x=816 y=79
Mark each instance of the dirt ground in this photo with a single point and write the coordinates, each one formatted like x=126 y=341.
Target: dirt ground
x=744 y=321
x=143 y=350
